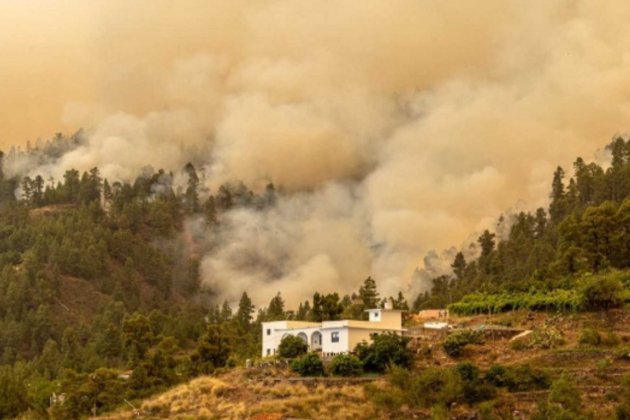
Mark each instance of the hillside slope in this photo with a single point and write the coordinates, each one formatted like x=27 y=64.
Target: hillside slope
x=560 y=347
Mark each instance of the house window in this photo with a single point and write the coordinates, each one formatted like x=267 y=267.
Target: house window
x=268 y=352
x=375 y=314
x=268 y=331
x=334 y=337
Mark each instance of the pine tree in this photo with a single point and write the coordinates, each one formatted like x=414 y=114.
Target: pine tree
x=245 y=311
x=487 y=242
x=191 y=197
x=368 y=293
x=459 y=265
x=557 y=208
x=541 y=222
x=275 y=311
x=226 y=312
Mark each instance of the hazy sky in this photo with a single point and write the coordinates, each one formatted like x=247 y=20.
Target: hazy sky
x=407 y=125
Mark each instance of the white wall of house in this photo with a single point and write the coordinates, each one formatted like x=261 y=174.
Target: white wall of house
x=341 y=345
x=274 y=331
x=336 y=336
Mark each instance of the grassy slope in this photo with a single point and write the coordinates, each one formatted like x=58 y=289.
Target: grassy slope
x=270 y=394
x=253 y=394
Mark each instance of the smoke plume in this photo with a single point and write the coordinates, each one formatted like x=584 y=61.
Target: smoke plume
x=396 y=127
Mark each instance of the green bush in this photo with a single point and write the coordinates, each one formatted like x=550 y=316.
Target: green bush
x=346 y=365
x=547 y=337
x=474 y=388
x=563 y=402
x=385 y=350
x=433 y=387
x=497 y=375
x=602 y=292
x=560 y=300
x=590 y=337
x=292 y=346
x=611 y=339
x=593 y=337
x=518 y=378
x=526 y=378
x=622 y=411
x=454 y=344
x=308 y=365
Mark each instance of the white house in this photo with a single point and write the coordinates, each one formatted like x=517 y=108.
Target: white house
x=331 y=337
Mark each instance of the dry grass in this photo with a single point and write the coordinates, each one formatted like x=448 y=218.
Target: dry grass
x=234 y=396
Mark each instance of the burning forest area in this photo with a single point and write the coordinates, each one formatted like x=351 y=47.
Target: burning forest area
x=284 y=209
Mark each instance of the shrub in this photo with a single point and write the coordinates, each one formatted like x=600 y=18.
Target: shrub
x=590 y=337
x=526 y=378
x=497 y=375
x=454 y=344
x=435 y=386
x=602 y=292
x=623 y=409
x=563 y=402
x=308 y=365
x=292 y=346
x=518 y=378
x=389 y=398
x=564 y=393
x=346 y=365
x=385 y=350
x=467 y=371
x=602 y=367
x=547 y=337
x=595 y=338
x=474 y=389
x=610 y=339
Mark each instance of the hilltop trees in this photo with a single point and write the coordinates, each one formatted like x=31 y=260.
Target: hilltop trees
x=368 y=293
x=245 y=311
x=275 y=310
x=585 y=230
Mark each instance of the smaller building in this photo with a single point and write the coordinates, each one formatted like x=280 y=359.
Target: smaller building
x=427 y=314
x=433 y=325
x=331 y=337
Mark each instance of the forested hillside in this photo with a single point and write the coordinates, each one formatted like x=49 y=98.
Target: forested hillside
x=98 y=278
x=101 y=302
x=585 y=230
x=100 y=297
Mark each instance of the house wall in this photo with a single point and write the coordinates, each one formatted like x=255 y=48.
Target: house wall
x=278 y=329
x=356 y=336
x=391 y=319
x=350 y=332
x=270 y=340
x=328 y=347
x=386 y=318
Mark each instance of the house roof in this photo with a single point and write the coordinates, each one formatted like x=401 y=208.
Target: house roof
x=384 y=310
x=327 y=325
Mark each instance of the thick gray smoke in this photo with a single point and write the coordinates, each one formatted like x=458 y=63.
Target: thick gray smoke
x=397 y=127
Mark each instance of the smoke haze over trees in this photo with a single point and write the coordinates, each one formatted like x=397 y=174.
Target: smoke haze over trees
x=383 y=124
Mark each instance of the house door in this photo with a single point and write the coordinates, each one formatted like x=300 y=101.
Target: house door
x=316 y=341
